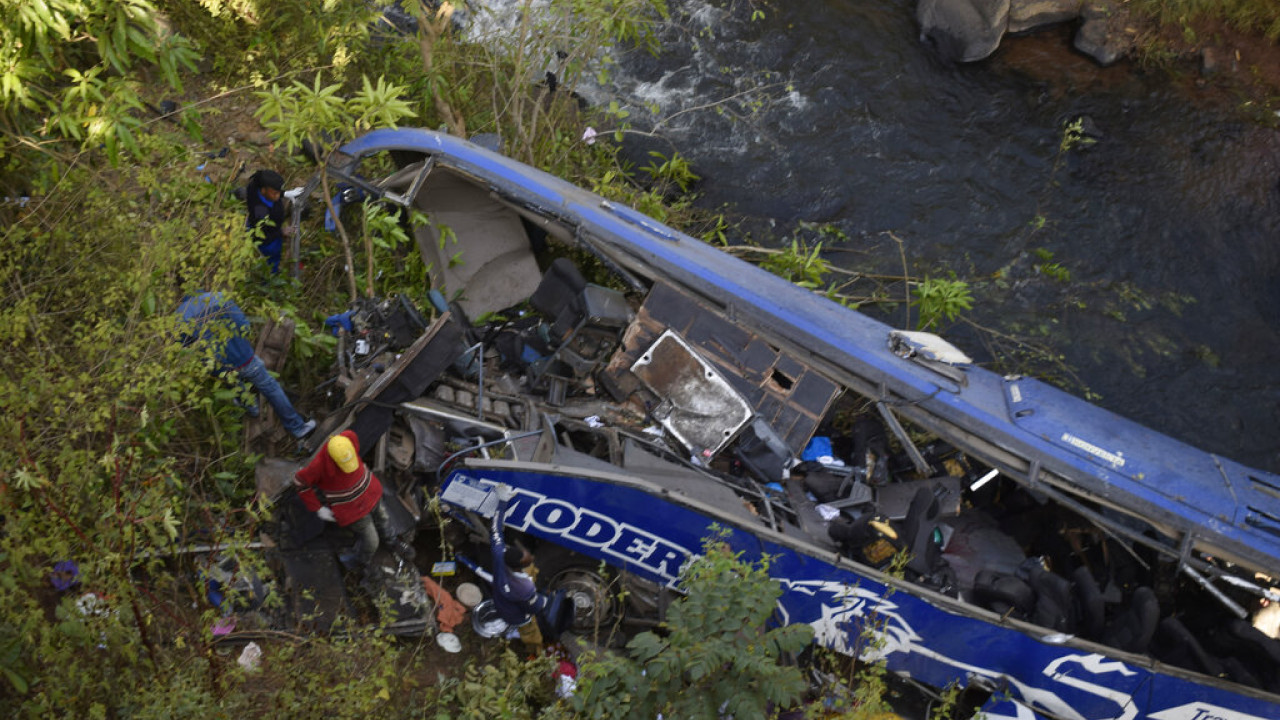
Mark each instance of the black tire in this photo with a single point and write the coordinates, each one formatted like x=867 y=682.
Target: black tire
x=590 y=589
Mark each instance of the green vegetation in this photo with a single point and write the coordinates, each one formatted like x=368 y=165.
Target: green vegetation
x=1073 y=136
x=798 y=263
x=302 y=115
x=116 y=445
x=714 y=657
x=671 y=171
x=1050 y=269
x=1251 y=16
x=74 y=70
x=940 y=299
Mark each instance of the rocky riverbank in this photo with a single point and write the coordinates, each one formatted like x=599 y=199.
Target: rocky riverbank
x=1108 y=31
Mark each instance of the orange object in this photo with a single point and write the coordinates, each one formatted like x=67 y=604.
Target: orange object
x=451 y=612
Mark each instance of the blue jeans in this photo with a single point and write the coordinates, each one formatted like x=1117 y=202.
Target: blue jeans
x=256 y=374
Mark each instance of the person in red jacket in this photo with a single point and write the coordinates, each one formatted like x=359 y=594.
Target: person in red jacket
x=339 y=487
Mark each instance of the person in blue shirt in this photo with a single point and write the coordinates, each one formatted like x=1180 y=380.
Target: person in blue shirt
x=515 y=596
x=217 y=324
x=266 y=218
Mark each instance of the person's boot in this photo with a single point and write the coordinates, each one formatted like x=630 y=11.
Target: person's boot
x=348 y=558
x=369 y=581
x=403 y=550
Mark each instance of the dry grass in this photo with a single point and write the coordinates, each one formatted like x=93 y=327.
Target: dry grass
x=1259 y=17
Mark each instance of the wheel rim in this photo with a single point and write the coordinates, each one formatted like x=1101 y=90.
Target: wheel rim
x=594 y=606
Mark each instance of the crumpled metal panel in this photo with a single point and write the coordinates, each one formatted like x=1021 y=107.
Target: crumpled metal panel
x=698 y=406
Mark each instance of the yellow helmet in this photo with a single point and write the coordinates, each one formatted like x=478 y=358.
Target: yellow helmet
x=343 y=453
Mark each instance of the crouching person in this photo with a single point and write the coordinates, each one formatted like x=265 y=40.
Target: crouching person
x=216 y=324
x=338 y=487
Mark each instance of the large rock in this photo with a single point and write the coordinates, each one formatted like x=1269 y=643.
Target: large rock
x=1027 y=15
x=1101 y=36
x=963 y=30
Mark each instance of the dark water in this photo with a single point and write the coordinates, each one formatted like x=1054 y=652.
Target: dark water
x=834 y=113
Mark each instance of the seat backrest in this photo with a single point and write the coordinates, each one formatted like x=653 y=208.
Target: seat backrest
x=1258 y=652
x=1055 y=604
x=1176 y=645
x=918 y=532
x=868 y=435
x=1089 y=600
x=560 y=287
x=1003 y=593
x=1133 y=627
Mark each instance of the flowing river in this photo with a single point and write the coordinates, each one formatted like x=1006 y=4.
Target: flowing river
x=1146 y=263
x=1149 y=260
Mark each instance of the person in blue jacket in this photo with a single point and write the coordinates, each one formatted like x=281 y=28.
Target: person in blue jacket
x=216 y=323
x=266 y=218
x=515 y=596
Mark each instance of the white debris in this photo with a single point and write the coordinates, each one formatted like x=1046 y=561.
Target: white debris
x=250 y=657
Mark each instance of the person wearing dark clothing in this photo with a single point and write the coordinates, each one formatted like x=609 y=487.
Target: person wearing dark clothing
x=266 y=218
x=515 y=596
x=217 y=323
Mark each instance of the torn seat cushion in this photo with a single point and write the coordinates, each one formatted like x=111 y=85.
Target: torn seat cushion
x=474 y=245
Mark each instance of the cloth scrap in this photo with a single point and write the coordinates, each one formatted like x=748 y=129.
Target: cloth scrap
x=827 y=512
x=451 y=612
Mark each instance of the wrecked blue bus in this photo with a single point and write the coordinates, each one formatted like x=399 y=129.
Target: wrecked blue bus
x=637 y=387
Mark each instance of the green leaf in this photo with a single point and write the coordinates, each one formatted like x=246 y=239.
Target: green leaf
x=27 y=481
x=19 y=683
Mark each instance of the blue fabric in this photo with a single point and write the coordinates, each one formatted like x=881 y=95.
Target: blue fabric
x=529 y=355
x=272 y=250
x=514 y=595
x=255 y=373
x=818 y=447
x=341 y=320
x=217 y=321
x=267 y=217
x=329 y=224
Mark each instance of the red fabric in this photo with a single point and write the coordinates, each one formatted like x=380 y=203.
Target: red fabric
x=323 y=474
x=451 y=611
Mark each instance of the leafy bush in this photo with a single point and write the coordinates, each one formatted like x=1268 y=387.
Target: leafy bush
x=715 y=656
x=511 y=688
x=938 y=299
x=69 y=69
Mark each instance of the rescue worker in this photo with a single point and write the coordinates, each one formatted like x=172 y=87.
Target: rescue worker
x=515 y=596
x=218 y=323
x=266 y=217
x=338 y=487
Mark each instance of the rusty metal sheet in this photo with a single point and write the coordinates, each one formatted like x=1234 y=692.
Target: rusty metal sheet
x=698 y=406
x=783 y=389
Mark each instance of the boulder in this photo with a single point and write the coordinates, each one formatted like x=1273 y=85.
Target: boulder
x=1027 y=15
x=963 y=30
x=1100 y=38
